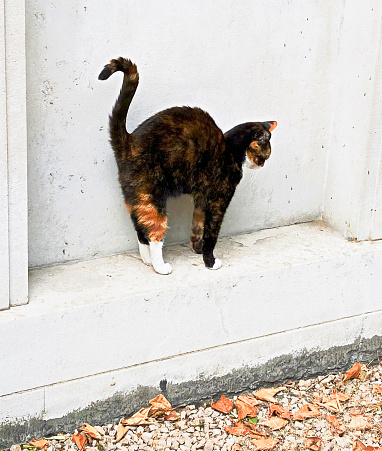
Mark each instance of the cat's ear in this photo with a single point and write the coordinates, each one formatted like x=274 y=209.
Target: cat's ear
x=271 y=125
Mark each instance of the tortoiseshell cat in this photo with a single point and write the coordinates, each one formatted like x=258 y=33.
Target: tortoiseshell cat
x=179 y=151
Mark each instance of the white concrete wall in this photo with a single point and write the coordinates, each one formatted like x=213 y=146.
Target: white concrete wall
x=353 y=196
x=241 y=61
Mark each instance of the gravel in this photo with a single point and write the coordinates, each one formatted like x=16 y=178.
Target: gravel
x=203 y=428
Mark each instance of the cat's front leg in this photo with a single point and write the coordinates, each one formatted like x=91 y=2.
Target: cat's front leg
x=208 y=255
x=213 y=220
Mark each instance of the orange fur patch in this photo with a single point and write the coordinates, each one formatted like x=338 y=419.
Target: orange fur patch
x=198 y=217
x=128 y=207
x=254 y=145
x=148 y=216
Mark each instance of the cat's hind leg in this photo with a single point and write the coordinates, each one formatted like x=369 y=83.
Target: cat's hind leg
x=143 y=242
x=197 y=226
x=157 y=258
x=150 y=222
x=144 y=249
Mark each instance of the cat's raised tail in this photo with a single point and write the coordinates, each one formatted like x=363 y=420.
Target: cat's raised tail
x=117 y=119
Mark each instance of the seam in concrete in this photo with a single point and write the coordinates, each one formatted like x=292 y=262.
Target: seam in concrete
x=196 y=351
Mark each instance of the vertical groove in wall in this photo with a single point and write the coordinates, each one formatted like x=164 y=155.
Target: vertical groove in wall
x=370 y=223
x=15 y=75
x=4 y=233
x=332 y=100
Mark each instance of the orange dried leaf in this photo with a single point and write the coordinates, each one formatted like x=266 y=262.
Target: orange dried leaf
x=377 y=388
x=265 y=443
x=359 y=446
x=236 y=447
x=267 y=394
x=353 y=372
x=360 y=422
x=244 y=409
x=172 y=416
x=90 y=431
x=274 y=409
x=240 y=429
x=249 y=399
x=306 y=411
x=340 y=396
x=121 y=432
x=313 y=443
x=159 y=406
x=41 y=443
x=335 y=425
x=140 y=417
x=80 y=440
x=274 y=423
x=224 y=405
x=332 y=420
x=333 y=405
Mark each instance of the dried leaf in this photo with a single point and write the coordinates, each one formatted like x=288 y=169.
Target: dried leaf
x=121 y=432
x=340 y=396
x=245 y=409
x=266 y=394
x=359 y=446
x=265 y=443
x=90 y=431
x=360 y=422
x=80 y=440
x=377 y=388
x=279 y=411
x=236 y=447
x=333 y=405
x=274 y=423
x=335 y=425
x=41 y=443
x=249 y=399
x=140 y=417
x=306 y=411
x=159 y=406
x=353 y=372
x=313 y=443
x=255 y=432
x=172 y=416
x=241 y=429
x=224 y=405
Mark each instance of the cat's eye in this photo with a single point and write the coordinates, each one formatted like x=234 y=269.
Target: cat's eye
x=263 y=137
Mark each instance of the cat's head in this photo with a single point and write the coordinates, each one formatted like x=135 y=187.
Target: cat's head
x=259 y=148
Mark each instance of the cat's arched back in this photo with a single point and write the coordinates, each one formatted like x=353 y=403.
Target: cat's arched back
x=177 y=151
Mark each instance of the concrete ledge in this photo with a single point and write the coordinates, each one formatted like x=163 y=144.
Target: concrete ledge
x=96 y=329
x=201 y=381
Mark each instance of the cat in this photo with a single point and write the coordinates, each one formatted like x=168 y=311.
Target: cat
x=179 y=150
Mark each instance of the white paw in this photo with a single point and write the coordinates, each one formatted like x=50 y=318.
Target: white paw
x=164 y=269
x=144 y=251
x=146 y=261
x=217 y=264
